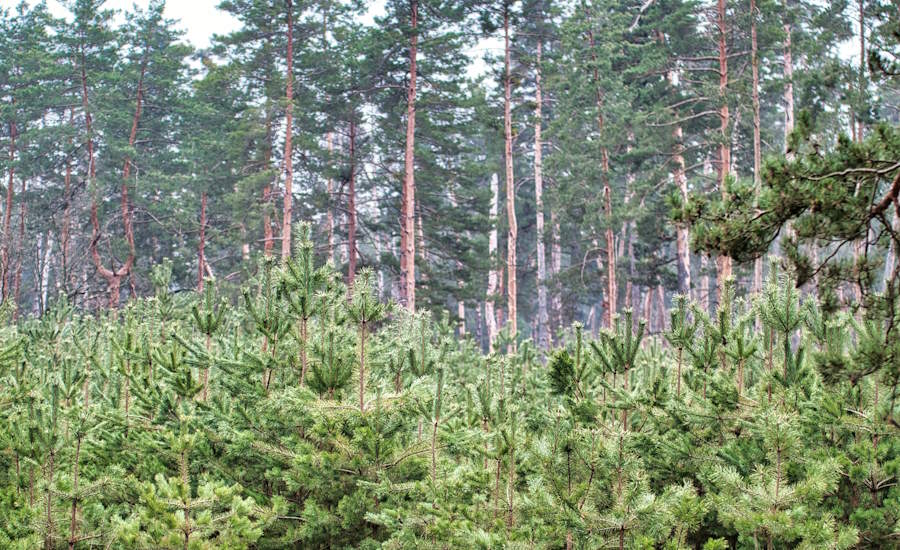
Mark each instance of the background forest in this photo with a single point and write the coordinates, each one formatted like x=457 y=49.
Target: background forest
x=535 y=273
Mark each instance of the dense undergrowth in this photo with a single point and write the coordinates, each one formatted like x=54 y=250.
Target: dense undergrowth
x=296 y=417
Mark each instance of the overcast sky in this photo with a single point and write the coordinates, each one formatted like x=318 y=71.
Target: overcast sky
x=199 y=18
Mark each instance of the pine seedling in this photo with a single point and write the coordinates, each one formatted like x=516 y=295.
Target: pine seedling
x=682 y=329
x=269 y=318
x=208 y=315
x=618 y=353
x=365 y=310
x=300 y=284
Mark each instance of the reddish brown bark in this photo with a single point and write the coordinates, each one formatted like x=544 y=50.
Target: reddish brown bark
x=112 y=275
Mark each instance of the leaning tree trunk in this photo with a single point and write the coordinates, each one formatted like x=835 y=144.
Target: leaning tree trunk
x=408 y=203
x=512 y=235
x=288 y=209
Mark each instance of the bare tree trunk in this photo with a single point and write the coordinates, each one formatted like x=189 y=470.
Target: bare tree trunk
x=63 y=277
x=20 y=250
x=555 y=268
x=408 y=254
x=287 y=212
x=788 y=77
x=268 y=235
x=201 y=256
x=329 y=216
x=493 y=274
x=704 y=284
x=351 y=206
x=512 y=235
x=723 y=261
x=862 y=63
x=7 y=213
x=611 y=286
x=543 y=330
x=757 y=140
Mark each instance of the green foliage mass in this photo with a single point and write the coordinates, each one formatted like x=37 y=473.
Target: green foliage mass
x=184 y=421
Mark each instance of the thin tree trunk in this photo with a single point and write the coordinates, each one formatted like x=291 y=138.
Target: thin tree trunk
x=493 y=274
x=7 y=214
x=704 y=284
x=788 y=77
x=512 y=235
x=63 y=278
x=351 y=207
x=555 y=268
x=329 y=216
x=20 y=249
x=201 y=256
x=543 y=329
x=362 y=367
x=288 y=209
x=723 y=261
x=113 y=276
x=268 y=234
x=611 y=287
x=408 y=253
x=757 y=140
x=862 y=64
x=73 y=518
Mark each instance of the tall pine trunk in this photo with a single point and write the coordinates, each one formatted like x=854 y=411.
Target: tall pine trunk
x=493 y=287
x=513 y=231
x=788 y=70
x=329 y=216
x=201 y=255
x=611 y=286
x=407 y=234
x=543 y=330
x=757 y=140
x=7 y=213
x=723 y=261
x=287 y=211
x=112 y=275
x=351 y=206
